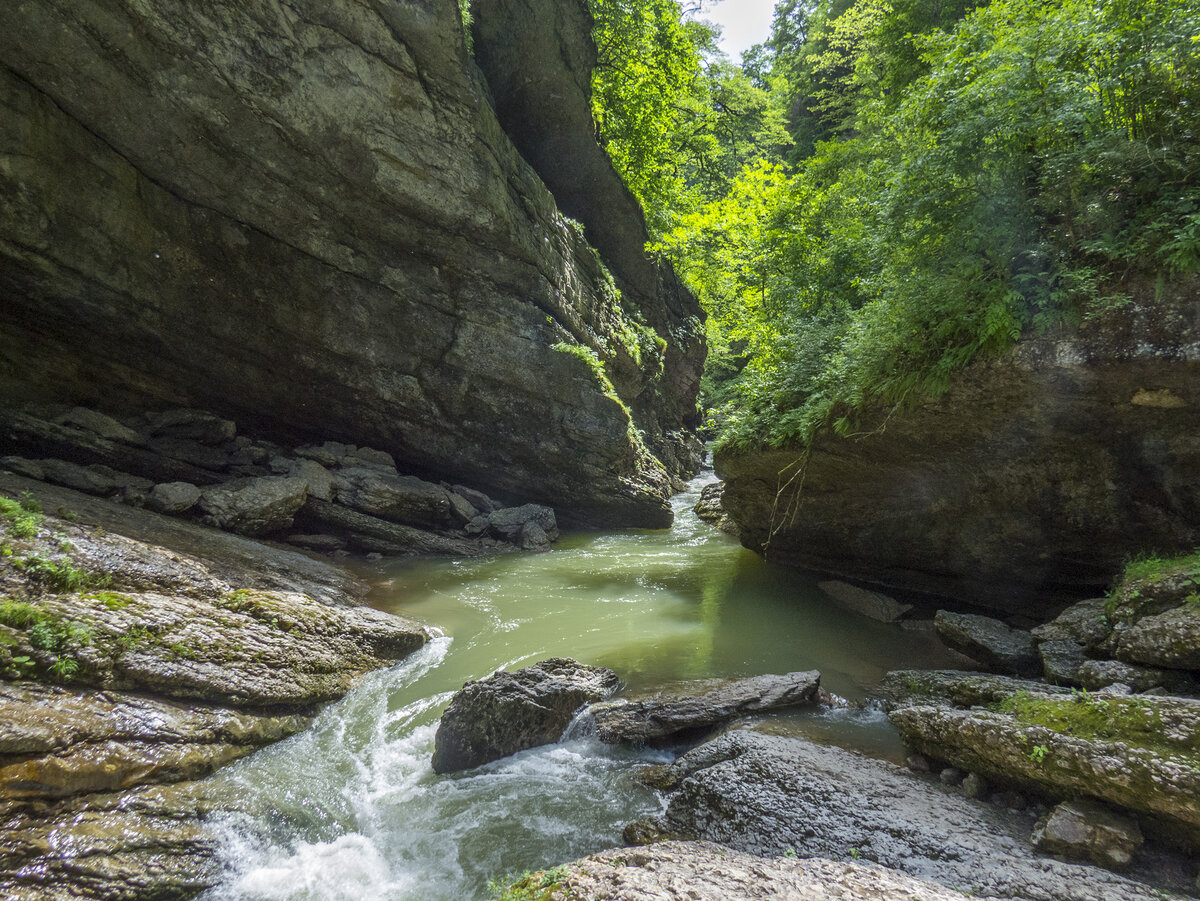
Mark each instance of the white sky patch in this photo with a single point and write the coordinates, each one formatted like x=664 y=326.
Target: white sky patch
x=744 y=23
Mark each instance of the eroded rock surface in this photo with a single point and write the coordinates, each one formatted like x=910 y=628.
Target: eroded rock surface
x=765 y=794
x=509 y=712
x=702 y=871
x=693 y=708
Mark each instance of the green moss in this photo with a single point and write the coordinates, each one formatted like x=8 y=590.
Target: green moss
x=1155 y=569
x=259 y=605
x=19 y=615
x=1133 y=721
x=537 y=886
x=45 y=631
x=110 y=599
x=59 y=575
x=21 y=518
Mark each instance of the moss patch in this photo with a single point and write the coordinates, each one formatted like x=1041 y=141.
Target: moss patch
x=1132 y=721
x=539 y=886
x=22 y=518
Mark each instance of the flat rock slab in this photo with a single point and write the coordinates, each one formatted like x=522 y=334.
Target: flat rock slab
x=989 y=641
x=702 y=871
x=56 y=742
x=765 y=794
x=701 y=706
x=867 y=603
x=509 y=712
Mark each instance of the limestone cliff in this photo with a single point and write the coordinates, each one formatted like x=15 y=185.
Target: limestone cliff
x=1032 y=479
x=307 y=216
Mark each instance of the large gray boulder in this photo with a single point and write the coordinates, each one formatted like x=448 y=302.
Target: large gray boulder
x=693 y=708
x=173 y=498
x=996 y=645
x=510 y=712
x=387 y=494
x=769 y=795
x=509 y=521
x=254 y=506
x=1169 y=640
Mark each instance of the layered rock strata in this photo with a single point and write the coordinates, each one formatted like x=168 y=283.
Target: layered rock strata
x=1034 y=476
x=131 y=667
x=307 y=217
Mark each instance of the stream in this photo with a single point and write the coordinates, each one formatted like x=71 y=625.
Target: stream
x=351 y=809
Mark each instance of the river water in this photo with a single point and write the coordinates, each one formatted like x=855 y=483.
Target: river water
x=352 y=810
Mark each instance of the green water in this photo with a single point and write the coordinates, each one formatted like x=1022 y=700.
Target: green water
x=351 y=808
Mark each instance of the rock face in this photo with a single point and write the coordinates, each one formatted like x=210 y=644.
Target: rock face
x=765 y=794
x=702 y=871
x=698 y=707
x=307 y=217
x=509 y=712
x=1037 y=474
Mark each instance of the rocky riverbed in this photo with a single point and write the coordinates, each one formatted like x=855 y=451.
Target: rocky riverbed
x=142 y=653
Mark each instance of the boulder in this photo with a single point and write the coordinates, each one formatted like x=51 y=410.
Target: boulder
x=532 y=537
x=320 y=481
x=96 y=479
x=507 y=522
x=370 y=458
x=403 y=499
x=770 y=795
x=1097 y=674
x=1086 y=623
x=476 y=499
x=1062 y=660
x=193 y=425
x=1138 y=752
x=173 y=498
x=214 y=459
x=703 y=871
x=994 y=644
x=253 y=506
x=709 y=509
x=371 y=534
x=871 y=604
x=510 y=712
x=1085 y=830
x=330 y=454
x=697 y=707
x=99 y=424
x=1170 y=640
x=462 y=511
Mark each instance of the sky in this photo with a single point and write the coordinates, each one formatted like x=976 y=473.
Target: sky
x=743 y=22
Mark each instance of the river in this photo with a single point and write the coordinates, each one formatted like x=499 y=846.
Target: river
x=352 y=810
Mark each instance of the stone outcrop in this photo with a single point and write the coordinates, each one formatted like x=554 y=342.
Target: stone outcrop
x=139 y=653
x=691 y=709
x=1084 y=830
x=307 y=218
x=703 y=871
x=1138 y=752
x=509 y=712
x=1037 y=474
x=769 y=795
x=709 y=509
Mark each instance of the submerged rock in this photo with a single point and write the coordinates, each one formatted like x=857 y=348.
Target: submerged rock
x=510 y=712
x=868 y=603
x=703 y=871
x=989 y=641
x=1084 y=830
x=769 y=795
x=694 y=708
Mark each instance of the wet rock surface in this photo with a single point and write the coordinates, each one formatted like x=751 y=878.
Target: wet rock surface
x=691 y=709
x=702 y=871
x=98 y=630
x=765 y=794
x=709 y=509
x=868 y=603
x=509 y=712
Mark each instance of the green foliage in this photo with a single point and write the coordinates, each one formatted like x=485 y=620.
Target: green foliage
x=59 y=575
x=527 y=886
x=111 y=600
x=57 y=637
x=22 y=518
x=994 y=178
